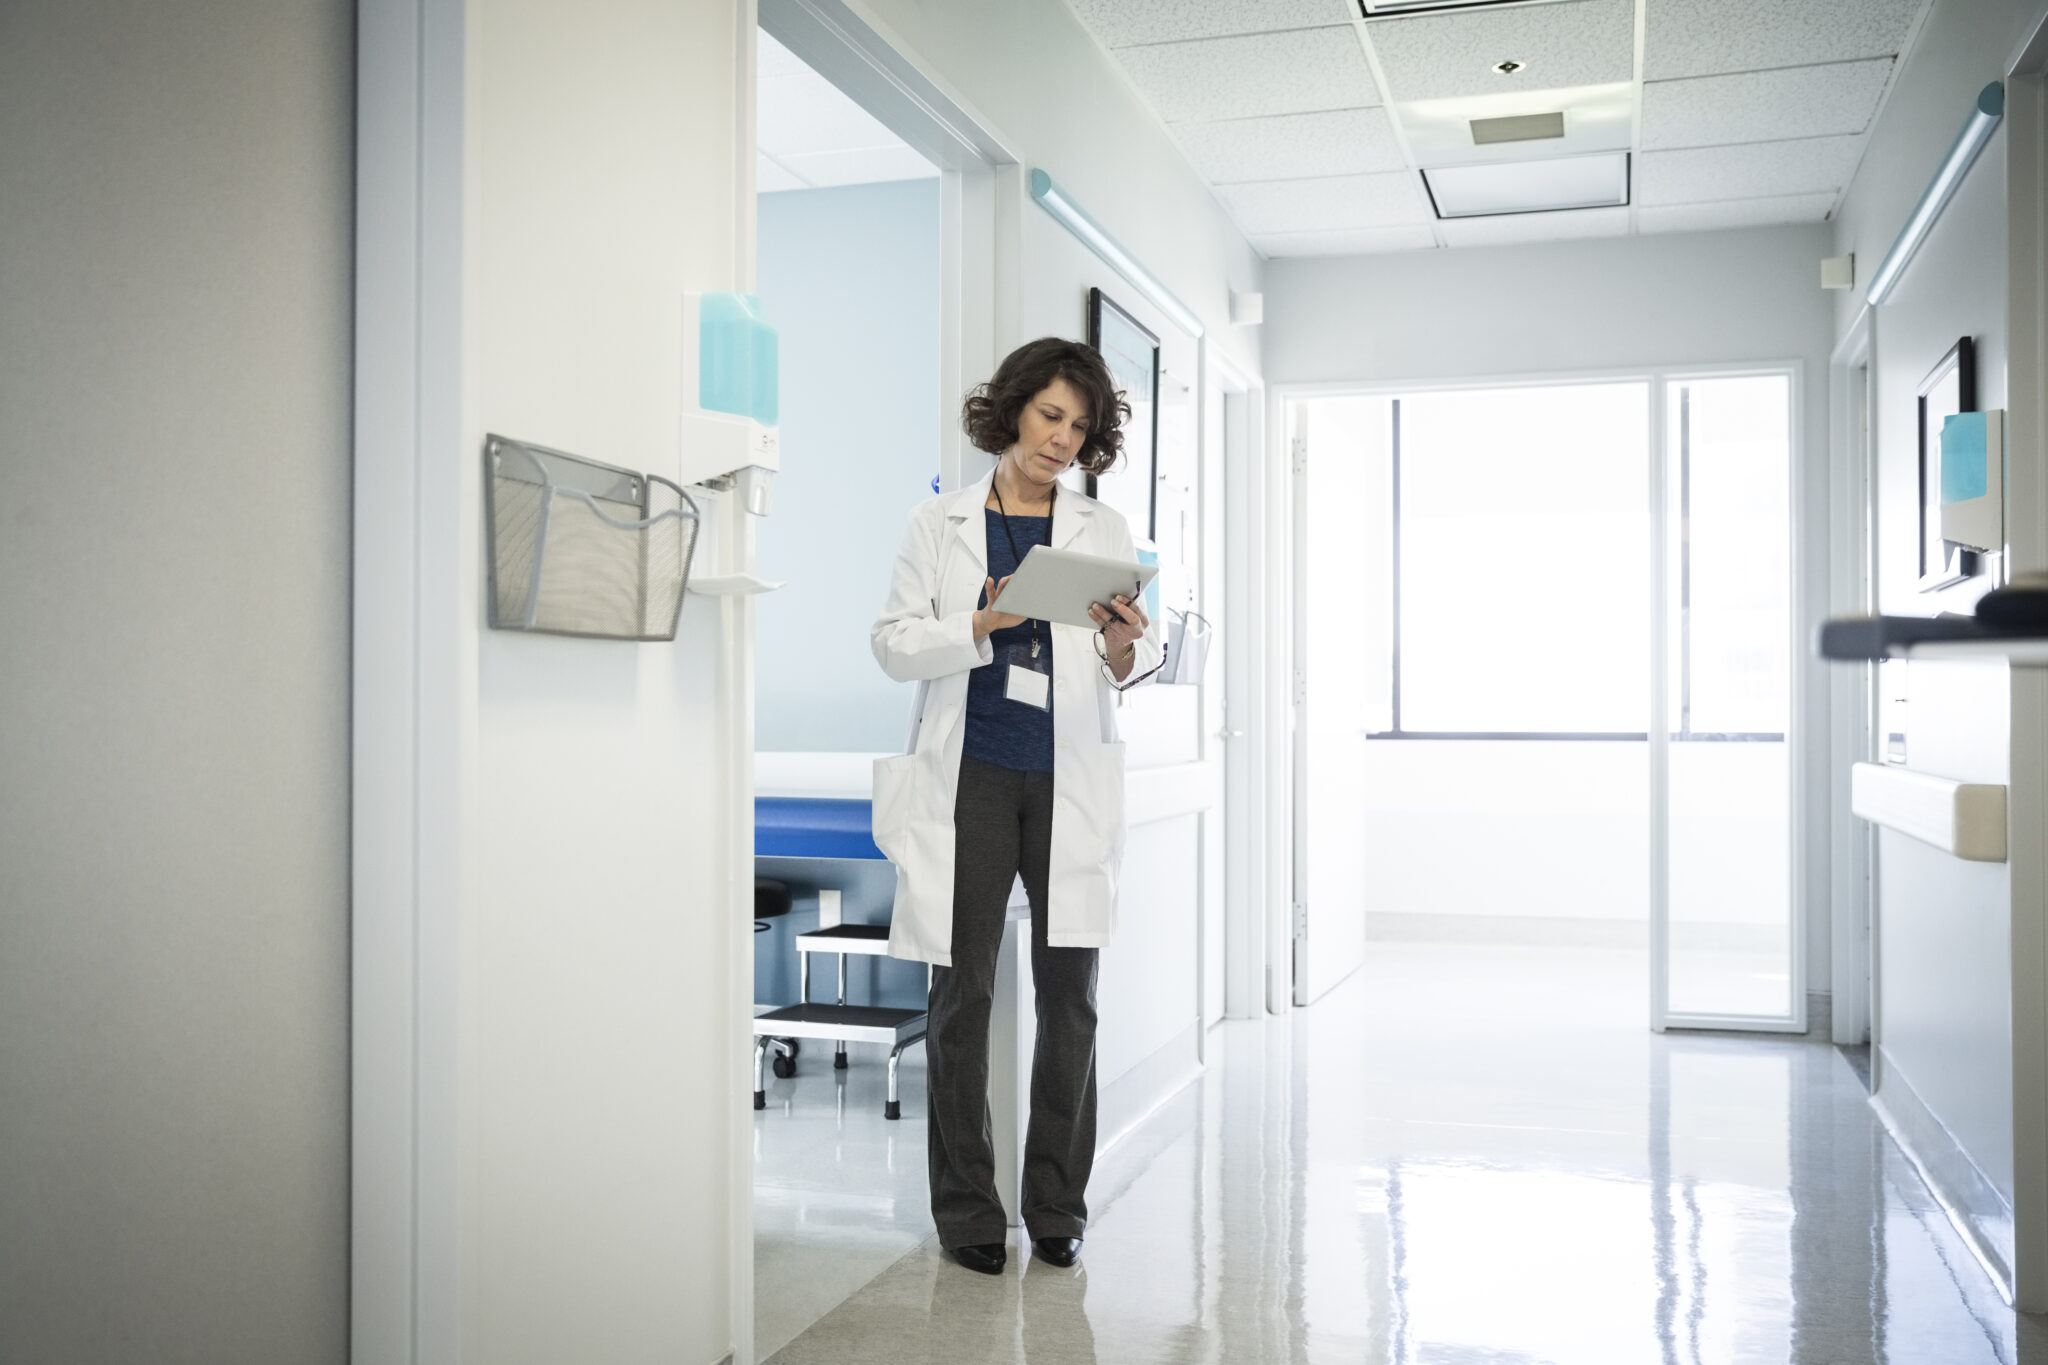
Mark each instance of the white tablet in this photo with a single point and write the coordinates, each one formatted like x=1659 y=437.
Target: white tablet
x=1059 y=585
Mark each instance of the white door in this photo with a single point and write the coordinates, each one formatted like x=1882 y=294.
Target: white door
x=1343 y=514
x=1727 y=944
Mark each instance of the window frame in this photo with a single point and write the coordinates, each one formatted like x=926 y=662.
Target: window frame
x=1659 y=384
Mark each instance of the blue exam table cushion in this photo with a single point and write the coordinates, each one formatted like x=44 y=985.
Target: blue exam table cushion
x=814 y=827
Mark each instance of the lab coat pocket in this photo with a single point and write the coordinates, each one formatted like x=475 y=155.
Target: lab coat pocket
x=1098 y=798
x=1105 y=708
x=892 y=811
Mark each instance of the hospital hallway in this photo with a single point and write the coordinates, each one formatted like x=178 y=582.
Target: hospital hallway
x=1462 y=1155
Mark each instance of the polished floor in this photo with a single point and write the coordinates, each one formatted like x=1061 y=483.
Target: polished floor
x=1461 y=1156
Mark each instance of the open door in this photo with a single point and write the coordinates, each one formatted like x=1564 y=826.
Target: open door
x=1725 y=933
x=1343 y=508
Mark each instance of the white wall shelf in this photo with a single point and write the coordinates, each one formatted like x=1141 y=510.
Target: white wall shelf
x=731 y=585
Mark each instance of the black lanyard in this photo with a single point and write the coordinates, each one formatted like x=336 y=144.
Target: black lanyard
x=1004 y=512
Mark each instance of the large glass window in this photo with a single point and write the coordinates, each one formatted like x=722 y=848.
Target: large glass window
x=1519 y=538
x=1732 y=545
x=1521 y=535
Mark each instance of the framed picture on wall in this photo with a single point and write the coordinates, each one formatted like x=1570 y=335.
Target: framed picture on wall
x=1131 y=351
x=1949 y=388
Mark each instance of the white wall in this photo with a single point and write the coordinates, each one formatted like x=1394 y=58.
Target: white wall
x=1562 y=307
x=1615 y=303
x=850 y=278
x=174 y=433
x=1943 y=995
x=1527 y=830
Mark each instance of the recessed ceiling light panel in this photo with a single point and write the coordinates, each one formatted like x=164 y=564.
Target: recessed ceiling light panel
x=1399 y=9
x=1565 y=182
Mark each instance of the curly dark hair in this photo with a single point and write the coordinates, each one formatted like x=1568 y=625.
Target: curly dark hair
x=990 y=413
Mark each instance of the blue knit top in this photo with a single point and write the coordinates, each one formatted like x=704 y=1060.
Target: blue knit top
x=1002 y=732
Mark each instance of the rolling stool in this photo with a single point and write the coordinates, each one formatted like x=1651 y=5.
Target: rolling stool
x=771 y=901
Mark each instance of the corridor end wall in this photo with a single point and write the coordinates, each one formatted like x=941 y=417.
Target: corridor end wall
x=1610 y=305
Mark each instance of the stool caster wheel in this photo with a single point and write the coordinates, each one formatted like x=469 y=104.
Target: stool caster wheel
x=784 y=1067
x=760 y=1100
x=892 y=1110
x=839 y=1061
x=791 y=1046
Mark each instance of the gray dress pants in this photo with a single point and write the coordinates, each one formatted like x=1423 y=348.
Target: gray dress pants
x=1002 y=823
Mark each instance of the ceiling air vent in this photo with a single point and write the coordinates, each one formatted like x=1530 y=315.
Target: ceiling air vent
x=1517 y=128
x=1399 y=9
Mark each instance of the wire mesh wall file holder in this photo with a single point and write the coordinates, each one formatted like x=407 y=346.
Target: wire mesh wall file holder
x=582 y=548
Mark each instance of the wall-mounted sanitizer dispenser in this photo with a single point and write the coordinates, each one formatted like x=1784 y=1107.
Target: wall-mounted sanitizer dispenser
x=729 y=396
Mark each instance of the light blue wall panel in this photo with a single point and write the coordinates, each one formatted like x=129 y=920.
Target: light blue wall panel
x=850 y=278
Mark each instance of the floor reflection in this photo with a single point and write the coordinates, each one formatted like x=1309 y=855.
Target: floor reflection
x=1471 y=1155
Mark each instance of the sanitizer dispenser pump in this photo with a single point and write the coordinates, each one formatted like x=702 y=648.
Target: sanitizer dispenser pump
x=729 y=433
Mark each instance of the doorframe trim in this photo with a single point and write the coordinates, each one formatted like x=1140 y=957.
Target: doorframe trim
x=1852 y=701
x=412 y=767
x=1243 y=711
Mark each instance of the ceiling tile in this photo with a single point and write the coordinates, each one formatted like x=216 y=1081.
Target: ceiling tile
x=1795 y=208
x=1582 y=42
x=1120 y=23
x=770 y=176
x=1761 y=106
x=1358 y=242
x=1752 y=171
x=1292 y=146
x=1709 y=37
x=1344 y=201
x=1269 y=73
x=1535 y=227
x=860 y=166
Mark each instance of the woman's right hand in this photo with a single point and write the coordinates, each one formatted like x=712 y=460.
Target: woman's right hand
x=988 y=620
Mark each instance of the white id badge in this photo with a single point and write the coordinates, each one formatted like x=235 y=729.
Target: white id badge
x=1029 y=686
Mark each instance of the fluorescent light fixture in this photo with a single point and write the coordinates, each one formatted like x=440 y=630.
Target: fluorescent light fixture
x=1977 y=130
x=1566 y=182
x=1389 y=9
x=1054 y=201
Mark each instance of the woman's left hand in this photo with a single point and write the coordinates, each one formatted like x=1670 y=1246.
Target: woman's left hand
x=1120 y=629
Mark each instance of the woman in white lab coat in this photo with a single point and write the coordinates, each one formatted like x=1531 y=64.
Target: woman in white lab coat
x=1013 y=769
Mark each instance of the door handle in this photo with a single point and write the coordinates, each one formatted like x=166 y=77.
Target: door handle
x=1230 y=734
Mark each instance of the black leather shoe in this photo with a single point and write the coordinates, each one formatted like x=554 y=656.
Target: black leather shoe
x=1060 y=1251
x=988 y=1258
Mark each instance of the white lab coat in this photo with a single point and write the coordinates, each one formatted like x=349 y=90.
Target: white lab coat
x=925 y=635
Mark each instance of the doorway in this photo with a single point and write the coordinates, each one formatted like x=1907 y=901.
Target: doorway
x=1559 y=712
x=875 y=259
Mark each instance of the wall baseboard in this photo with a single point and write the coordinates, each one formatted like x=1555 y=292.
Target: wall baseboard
x=1127 y=1101
x=1973 y=1204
